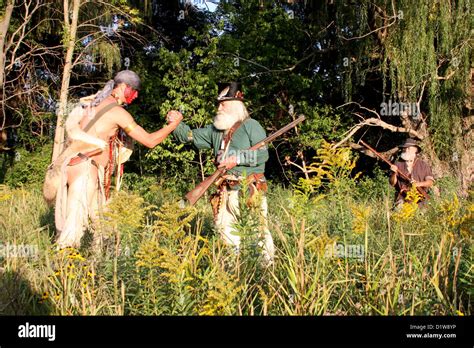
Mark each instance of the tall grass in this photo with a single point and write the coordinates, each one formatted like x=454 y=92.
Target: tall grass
x=340 y=250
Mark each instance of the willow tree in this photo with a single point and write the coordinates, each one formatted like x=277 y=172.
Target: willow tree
x=423 y=53
x=21 y=54
x=429 y=60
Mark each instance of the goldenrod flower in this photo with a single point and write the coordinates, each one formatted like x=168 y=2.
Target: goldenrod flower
x=361 y=218
x=409 y=207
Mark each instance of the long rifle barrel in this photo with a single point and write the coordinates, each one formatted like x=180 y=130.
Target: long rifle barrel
x=278 y=133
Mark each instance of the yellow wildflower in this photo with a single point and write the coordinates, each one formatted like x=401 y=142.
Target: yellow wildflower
x=361 y=218
x=409 y=207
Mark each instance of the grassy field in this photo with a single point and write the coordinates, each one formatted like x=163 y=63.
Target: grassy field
x=341 y=250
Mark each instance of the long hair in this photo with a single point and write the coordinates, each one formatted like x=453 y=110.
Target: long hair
x=103 y=93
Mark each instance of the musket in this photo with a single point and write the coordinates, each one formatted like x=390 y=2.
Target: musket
x=195 y=194
x=399 y=172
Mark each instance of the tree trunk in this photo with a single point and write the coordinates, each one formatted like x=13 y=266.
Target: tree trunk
x=4 y=24
x=70 y=27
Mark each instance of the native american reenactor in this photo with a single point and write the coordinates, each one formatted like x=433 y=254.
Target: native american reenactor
x=78 y=181
x=230 y=135
x=417 y=170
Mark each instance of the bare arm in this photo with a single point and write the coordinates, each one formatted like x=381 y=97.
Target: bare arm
x=427 y=183
x=135 y=131
x=393 y=179
x=393 y=176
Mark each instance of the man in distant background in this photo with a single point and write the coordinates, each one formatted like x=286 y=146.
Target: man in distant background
x=417 y=169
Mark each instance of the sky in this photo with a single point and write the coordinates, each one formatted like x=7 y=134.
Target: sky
x=205 y=5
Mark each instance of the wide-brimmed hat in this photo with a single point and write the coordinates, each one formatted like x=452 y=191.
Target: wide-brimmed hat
x=410 y=142
x=229 y=91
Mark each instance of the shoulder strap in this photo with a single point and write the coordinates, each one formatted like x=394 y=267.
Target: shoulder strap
x=99 y=115
x=225 y=144
x=231 y=132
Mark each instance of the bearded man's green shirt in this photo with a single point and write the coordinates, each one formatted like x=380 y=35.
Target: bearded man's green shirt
x=247 y=135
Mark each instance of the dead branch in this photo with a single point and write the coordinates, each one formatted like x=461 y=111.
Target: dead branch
x=361 y=107
x=375 y=122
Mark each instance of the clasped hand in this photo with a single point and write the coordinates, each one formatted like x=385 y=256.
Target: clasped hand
x=174 y=117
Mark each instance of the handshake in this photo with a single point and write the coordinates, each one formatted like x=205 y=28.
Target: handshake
x=174 y=118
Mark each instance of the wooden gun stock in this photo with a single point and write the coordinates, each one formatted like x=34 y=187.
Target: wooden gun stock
x=195 y=194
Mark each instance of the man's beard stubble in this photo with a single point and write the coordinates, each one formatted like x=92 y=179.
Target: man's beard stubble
x=408 y=156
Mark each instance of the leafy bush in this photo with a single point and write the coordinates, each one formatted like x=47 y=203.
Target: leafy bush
x=24 y=167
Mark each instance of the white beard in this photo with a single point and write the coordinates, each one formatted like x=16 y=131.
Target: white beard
x=224 y=120
x=408 y=157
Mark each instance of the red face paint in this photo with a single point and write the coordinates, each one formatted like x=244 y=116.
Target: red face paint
x=130 y=94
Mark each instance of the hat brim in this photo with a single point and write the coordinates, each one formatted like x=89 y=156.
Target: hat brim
x=403 y=146
x=228 y=99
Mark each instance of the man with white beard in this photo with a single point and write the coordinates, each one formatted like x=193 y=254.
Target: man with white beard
x=417 y=169
x=232 y=133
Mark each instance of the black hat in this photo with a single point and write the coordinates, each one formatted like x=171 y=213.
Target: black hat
x=410 y=142
x=230 y=91
x=129 y=78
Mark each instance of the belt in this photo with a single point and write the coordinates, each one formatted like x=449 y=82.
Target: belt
x=257 y=178
x=80 y=158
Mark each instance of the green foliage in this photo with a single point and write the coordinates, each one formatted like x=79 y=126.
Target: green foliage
x=249 y=227
x=447 y=186
x=107 y=55
x=311 y=62
x=124 y=216
x=441 y=31
x=151 y=188
x=331 y=167
x=24 y=167
x=371 y=188
x=165 y=259
x=182 y=81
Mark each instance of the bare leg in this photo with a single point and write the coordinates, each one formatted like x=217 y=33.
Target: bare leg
x=96 y=204
x=82 y=184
